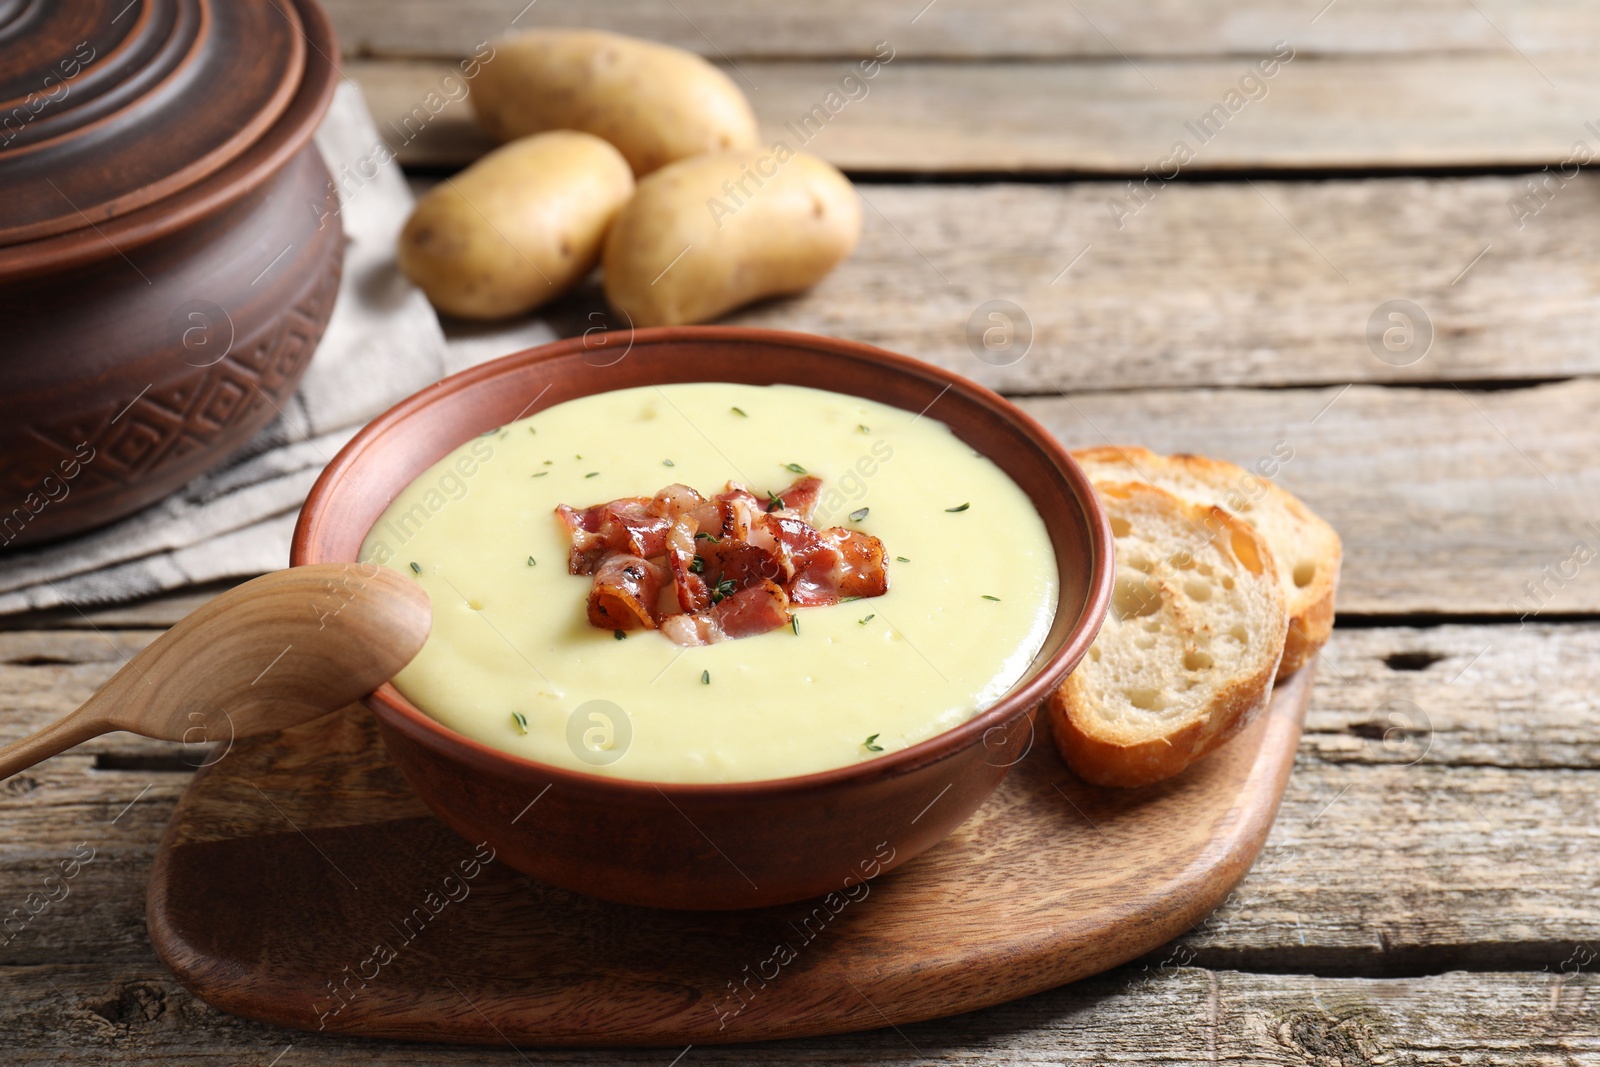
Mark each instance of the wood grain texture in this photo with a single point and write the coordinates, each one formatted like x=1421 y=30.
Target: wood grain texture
x=972 y=29
x=222 y=674
x=1448 y=501
x=93 y=1014
x=1073 y=879
x=1260 y=284
x=157 y=612
x=1440 y=814
x=1104 y=116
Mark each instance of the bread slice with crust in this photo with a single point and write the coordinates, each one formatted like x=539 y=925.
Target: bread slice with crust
x=1306 y=548
x=1189 y=649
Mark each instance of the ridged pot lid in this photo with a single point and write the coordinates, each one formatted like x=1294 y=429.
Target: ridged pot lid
x=109 y=105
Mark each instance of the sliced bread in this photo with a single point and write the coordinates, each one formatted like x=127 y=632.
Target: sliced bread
x=1189 y=649
x=1306 y=549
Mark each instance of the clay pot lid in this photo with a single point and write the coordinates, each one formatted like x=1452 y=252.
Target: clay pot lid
x=109 y=105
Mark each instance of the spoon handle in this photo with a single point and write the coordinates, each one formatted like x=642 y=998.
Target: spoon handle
x=73 y=729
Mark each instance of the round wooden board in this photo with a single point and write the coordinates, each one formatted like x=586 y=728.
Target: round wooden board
x=302 y=883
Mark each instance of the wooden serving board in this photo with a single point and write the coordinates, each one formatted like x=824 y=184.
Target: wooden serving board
x=302 y=883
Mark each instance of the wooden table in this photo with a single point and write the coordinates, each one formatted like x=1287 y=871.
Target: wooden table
x=1429 y=891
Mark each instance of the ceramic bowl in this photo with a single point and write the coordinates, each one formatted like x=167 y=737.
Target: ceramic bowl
x=724 y=845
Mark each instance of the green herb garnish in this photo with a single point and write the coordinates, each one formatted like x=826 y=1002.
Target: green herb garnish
x=739 y=412
x=902 y=559
x=996 y=599
x=540 y=474
x=723 y=591
x=713 y=538
x=868 y=619
x=774 y=501
x=668 y=463
x=532 y=430
x=794 y=467
x=521 y=720
x=705 y=677
x=859 y=514
x=862 y=427
x=620 y=635
x=549 y=462
x=697 y=565
x=532 y=562
x=416 y=568
x=872 y=745
x=794 y=624
x=959 y=507
x=592 y=474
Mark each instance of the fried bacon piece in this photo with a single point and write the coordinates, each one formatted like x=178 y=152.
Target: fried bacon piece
x=623 y=596
x=704 y=570
x=626 y=525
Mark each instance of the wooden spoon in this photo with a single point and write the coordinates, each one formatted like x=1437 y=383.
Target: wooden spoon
x=274 y=652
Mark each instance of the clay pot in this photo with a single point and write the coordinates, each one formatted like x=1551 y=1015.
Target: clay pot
x=169 y=249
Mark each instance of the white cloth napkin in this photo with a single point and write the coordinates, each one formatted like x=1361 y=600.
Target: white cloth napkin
x=382 y=344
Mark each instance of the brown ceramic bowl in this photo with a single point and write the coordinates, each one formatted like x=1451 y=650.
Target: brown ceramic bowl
x=725 y=845
x=169 y=247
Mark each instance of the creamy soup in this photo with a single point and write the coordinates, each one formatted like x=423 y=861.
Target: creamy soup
x=514 y=662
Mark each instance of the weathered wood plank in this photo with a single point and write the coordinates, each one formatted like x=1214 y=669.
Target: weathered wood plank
x=1260 y=283
x=1447 y=501
x=1437 y=817
x=970 y=29
x=1106 y=116
x=1517 y=697
x=94 y=1014
x=157 y=612
x=1264 y=283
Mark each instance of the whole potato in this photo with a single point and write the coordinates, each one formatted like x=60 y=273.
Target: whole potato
x=708 y=234
x=518 y=227
x=656 y=104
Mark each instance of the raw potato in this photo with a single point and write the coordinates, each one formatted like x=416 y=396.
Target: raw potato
x=518 y=227
x=709 y=234
x=656 y=104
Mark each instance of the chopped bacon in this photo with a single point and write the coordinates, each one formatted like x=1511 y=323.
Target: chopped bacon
x=800 y=498
x=623 y=596
x=746 y=613
x=625 y=525
x=712 y=570
x=753 y=610
x=863 y=568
